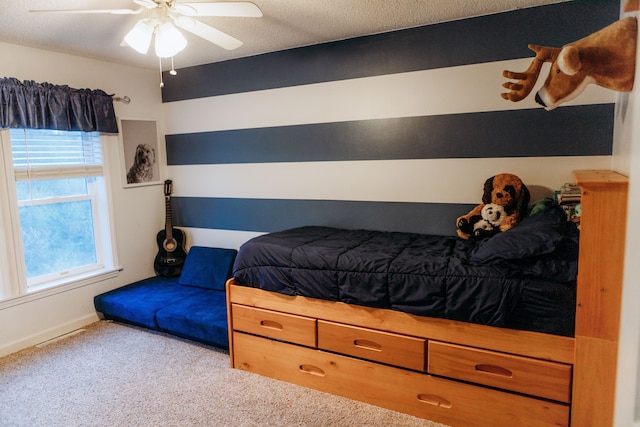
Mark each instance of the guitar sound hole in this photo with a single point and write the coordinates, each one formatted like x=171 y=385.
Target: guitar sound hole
x=170 y=245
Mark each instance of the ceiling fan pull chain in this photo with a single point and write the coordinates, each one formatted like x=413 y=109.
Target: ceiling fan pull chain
x=173 y=71
x=161 y=82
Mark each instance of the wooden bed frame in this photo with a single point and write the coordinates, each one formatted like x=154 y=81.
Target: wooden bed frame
x=456 y=373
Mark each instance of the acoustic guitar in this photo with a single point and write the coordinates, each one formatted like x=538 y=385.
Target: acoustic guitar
x=171 y=254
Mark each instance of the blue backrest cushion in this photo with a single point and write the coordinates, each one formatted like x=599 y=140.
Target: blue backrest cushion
x=535 y=235
x=207 y=268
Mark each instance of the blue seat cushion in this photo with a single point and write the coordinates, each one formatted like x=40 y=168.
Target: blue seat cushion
x=207 y=268
x=202 y=317
x=139 y=302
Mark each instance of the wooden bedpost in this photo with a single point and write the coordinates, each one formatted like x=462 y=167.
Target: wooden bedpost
x=227 y=287
x=602 y=244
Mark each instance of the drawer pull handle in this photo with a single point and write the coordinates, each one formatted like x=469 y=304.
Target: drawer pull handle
x=432 y=399
x=312 y=370
x=367 y=345
x=270 y=324
x=493 y=369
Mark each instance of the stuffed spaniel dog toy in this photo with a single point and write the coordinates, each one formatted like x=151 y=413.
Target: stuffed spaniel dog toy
x=504 y=203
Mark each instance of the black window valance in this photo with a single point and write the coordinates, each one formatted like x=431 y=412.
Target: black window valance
x=32 y=105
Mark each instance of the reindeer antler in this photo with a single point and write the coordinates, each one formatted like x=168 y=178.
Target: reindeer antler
x=527 y=79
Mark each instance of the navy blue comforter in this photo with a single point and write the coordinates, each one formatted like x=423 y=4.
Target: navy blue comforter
x=524 y=281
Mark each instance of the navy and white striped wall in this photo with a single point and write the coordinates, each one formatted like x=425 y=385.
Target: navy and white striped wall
x=396 y=131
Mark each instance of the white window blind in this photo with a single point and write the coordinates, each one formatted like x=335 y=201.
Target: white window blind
x=59 y=206
x=55 y=154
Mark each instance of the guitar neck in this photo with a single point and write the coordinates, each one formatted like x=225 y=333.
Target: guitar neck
x=168 y=227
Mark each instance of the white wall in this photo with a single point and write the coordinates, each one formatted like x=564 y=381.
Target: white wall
x=139 y=211
x=628 y=381
x=627 y=161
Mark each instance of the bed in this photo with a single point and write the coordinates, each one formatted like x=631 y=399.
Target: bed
x=495 y=332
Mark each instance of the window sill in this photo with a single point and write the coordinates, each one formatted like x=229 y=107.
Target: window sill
x=79 y=282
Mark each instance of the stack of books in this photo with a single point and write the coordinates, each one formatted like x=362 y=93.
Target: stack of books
x=568 y=197
x=569 y=194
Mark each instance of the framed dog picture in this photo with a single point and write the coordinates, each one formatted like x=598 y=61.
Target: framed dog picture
x=139 y=153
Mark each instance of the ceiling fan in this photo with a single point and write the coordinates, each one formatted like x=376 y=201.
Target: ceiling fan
x=163 y=16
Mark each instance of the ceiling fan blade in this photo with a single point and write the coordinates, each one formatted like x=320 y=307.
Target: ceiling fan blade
x=243 y=9
x=149 y=4
x=111 y=11
x=211 y=34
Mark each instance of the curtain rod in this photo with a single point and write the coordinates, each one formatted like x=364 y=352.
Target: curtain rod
x=125 y=99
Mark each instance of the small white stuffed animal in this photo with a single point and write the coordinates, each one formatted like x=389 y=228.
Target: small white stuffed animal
x=492 y=216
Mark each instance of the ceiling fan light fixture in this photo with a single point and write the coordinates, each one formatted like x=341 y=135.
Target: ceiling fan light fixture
x=139 y=38
x=162 y=18
x=169 y=41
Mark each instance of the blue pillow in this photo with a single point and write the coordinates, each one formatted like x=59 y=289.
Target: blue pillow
x=207 y=268
x=535 y=235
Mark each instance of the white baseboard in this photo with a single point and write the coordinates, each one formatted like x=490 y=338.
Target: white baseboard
x=47 y=335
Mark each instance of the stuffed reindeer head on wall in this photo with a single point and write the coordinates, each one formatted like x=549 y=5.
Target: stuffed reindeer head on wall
x=605 y=58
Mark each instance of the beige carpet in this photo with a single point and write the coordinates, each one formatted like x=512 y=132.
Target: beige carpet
x=117 y=375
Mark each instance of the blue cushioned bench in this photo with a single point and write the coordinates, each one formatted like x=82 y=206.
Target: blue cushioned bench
x=191 y=306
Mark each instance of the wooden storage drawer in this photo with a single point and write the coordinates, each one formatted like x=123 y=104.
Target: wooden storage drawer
x=272 y=324
x=385 y=347
x=530 y=376
x=446 y=401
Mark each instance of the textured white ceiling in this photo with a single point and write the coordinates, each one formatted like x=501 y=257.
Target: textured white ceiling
x=285 y=24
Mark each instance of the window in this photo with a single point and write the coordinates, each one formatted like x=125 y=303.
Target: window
x=58 y=207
